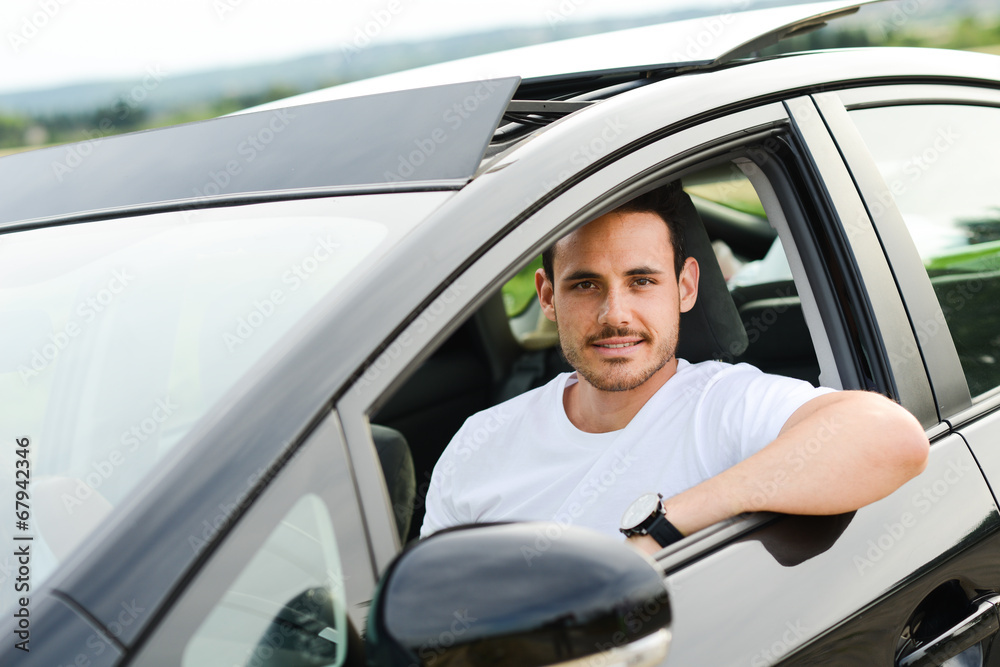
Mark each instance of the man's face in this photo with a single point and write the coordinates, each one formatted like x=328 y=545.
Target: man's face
x=616 y=299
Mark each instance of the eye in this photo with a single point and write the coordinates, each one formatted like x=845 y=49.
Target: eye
x=643 y=282
x=583 y=284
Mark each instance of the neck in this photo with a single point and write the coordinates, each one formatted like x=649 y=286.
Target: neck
x=595 y=411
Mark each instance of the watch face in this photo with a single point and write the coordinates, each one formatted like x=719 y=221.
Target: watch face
x=640 y=510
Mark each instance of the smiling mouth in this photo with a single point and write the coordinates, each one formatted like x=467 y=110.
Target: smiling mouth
x=618 y=345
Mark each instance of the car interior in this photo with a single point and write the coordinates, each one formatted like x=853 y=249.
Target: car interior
x=743 y=314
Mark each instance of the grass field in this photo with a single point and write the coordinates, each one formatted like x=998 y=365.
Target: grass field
x=21 y=149
x=995 y=49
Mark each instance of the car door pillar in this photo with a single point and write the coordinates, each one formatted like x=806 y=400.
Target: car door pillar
x=899 y=345
x=939 y=355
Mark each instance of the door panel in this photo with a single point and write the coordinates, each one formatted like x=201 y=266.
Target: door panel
x=866 y=639
x=983 y=436
x=790 y=584
x=946 y=595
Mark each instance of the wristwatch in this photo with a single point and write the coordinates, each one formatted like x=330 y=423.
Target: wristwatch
x=645 y=516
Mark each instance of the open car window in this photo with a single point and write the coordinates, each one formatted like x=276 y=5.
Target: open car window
x=508 y=346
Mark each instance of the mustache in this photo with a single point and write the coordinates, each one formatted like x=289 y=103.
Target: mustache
x=616 y=332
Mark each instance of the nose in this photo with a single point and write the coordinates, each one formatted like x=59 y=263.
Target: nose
x=614 y=309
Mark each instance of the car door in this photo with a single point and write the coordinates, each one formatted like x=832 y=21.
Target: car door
x=803 y=590
x=907 y=580
x=922 y=156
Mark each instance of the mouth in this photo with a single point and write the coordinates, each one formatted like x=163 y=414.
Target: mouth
x=618 y=347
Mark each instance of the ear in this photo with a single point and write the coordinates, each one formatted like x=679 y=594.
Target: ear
x=545 y=294
x=687 y=284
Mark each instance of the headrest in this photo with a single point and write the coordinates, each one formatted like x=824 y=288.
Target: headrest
x=400 y=480
x=712 y=329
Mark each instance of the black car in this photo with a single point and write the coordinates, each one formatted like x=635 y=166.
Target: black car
x=233 y=351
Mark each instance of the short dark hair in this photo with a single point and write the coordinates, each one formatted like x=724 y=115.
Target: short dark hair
x=665 y=202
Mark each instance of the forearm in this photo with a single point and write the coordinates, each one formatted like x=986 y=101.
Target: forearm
x=835 y=454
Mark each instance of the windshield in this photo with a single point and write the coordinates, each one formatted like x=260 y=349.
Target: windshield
x=117 y=336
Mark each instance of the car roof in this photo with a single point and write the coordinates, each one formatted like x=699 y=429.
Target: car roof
x=690 y=44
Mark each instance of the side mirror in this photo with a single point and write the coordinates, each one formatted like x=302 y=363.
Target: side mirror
x=526 y=594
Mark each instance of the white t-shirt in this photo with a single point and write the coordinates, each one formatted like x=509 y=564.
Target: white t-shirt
x=524 y=460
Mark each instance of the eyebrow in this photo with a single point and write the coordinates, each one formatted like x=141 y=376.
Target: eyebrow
x=643 y=271
x=590 y=275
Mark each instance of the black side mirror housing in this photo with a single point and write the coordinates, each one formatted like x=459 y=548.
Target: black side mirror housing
x=526 y=594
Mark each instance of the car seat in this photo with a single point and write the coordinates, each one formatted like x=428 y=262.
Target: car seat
x=400 y=480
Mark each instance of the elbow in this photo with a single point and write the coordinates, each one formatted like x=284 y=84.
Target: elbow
x=907 y=445
x=918 y=453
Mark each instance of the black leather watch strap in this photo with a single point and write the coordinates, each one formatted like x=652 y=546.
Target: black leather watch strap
x=664 y=532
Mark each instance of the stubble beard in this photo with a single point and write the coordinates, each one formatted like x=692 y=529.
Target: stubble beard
x=613 y=374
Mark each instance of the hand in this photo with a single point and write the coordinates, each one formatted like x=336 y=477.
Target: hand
x=643 y=543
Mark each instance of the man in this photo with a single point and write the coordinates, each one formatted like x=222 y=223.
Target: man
x=713 y=439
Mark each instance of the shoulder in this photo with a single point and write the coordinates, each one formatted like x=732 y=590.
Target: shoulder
x=535 y=402
x=704 y=376
x=720 y=374
x=716 y=381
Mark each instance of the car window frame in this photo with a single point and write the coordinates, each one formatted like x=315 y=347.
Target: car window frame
x=490 y=199
x=665 y=157
x=946 y=374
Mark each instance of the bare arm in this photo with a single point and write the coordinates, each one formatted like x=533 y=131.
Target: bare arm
x=835 y=454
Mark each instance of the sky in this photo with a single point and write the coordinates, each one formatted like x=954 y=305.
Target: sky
x=47 y=43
